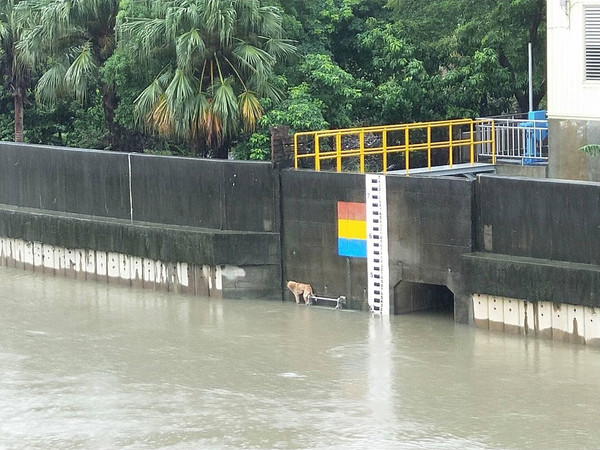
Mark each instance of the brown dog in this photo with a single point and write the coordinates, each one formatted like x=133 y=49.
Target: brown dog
x=299 y=289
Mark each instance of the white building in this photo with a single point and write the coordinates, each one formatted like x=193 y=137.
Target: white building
x=573 y=88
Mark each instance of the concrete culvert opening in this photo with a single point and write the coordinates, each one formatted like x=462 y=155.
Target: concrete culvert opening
x=413 y=297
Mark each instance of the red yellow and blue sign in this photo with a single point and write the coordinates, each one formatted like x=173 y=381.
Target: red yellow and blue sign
x=352 y=229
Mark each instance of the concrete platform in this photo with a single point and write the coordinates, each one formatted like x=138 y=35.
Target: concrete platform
x=455 y=169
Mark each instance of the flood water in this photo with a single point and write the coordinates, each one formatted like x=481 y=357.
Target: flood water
x=88 y=365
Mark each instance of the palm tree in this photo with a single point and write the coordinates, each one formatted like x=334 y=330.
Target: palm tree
x=14 y=17
x=220 y=54
x=72 y=39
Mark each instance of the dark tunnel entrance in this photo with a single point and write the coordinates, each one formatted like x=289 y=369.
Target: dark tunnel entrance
x=413 y=297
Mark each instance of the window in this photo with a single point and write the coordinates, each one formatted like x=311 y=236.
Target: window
x=592 y=43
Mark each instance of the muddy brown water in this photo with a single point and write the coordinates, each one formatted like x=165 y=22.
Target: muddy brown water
x=96 y=366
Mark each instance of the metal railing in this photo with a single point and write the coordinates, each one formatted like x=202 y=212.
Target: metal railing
x=372 y=147
x=517 y=139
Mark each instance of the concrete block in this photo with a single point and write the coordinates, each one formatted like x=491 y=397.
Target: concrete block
x=527 y=317
x=7 y=252
x=2 y=250
x=124 y=269
x=112 y=267
x=543 y=313
x=59 y=261
x=80 y=263
x=201 y=281
x=185 y=275
x=575 y=323
x=512 y=321
x=496 y=313
x=480 y=310
x=48 y=261
x=91 y=264
x=171 y=273
x=592 y=326
x=28 y=255
x=149 y=273
x=18 y=253
x=38 y=256
x=218 y=277
x=101 y=266
x=70 y=263
x=137 y=271
x=560 y=324
x=161 y=281
x=182 y=274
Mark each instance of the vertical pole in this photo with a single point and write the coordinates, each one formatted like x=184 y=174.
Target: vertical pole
x=384 y=148
x=295 y=150
x=338 y=150
x=493 y=142
x=407 y=149
x=450 y=156
x=530 y=59
x=471 y=143
x=317 y=156
x=428 y=147
x=362 y=151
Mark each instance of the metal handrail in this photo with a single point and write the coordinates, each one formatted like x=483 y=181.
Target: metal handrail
x=385 y=146
x=517 y=139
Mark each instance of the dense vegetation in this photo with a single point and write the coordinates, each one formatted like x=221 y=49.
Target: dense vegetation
x=209 y=77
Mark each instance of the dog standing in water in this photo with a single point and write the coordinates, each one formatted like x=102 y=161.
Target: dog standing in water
x=299 y=289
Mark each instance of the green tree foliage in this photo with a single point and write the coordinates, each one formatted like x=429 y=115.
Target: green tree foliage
x=71 y=41
x=15 y=18
x=300 y=111
x=221 y=55
x=197 y=77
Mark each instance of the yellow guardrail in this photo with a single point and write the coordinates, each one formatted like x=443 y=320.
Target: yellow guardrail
x=384 y=140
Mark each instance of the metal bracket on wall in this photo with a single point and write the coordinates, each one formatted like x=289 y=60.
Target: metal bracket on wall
x=340 y=302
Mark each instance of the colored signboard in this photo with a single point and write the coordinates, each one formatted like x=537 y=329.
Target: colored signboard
x=352 y=229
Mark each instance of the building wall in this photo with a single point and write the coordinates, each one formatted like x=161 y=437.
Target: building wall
x=574 y=117
x=570 y=95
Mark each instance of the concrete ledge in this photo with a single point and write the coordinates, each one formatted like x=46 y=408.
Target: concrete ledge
x=155 y=241
x=532 y=279
x=221 y=281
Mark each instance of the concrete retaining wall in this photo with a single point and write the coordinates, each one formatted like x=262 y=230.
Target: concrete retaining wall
x=222 y=195
x=536 y=240
x=219 y=215
x=309 y=234
x=111 y=267
x=550 y=320
x=429 y=227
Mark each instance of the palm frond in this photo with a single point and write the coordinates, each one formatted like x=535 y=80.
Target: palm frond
x=179 y=96
x=5 y=33
x=250 y=110
x=144 y=34
x=248 y=13
x=196 y=115
x=220 y=17
x=160 y=117
x=51 y=84
x=146 y=101
x=225 y=106
x=80 y=71
x=253 y=58
x=188 y=45
x=270 y=23
x=280 y=48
